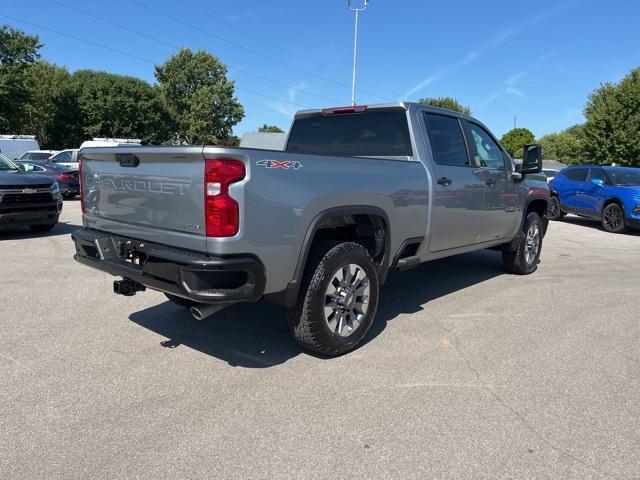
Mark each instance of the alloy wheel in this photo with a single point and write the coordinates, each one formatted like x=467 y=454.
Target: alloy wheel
x=613 y=217
x=347 y=300
x=532 y=243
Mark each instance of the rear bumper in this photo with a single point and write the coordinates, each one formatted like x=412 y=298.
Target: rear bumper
x=69 y=188
x=29 y=214
x=69 y=191
x=197 y=277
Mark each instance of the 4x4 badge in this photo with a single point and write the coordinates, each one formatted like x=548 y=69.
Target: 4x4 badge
x=285 y=165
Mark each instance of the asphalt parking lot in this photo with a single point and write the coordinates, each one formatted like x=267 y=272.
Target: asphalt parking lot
x=468 y=373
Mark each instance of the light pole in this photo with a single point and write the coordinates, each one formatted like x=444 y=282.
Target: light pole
x=355 y=47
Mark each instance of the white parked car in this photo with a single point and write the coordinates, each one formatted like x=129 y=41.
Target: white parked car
x=12 y=146
x=36 y=155
x=68 y=158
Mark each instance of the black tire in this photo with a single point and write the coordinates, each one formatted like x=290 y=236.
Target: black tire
x=183 y=302
x=555 y=212
x=524 y=260
x=43 y=228
x=307 y=320
x=613 y=218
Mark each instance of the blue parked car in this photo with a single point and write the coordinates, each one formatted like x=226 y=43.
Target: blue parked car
x=609 y=194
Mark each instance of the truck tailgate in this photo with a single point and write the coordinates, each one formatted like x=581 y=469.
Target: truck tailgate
x=150 y=193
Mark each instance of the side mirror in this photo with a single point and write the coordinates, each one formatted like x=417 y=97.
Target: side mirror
x=21 y=167
x=532 y=159
x=598 y=182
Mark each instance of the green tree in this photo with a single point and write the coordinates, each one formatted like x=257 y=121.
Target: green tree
x=17 y=52
x=566 y=146
x=195 y=88
x=270 y=129
x=120 y=106
x=612 y=129
x=515 y=140
x=45 y=109
x=446 y=102
x=231 y=141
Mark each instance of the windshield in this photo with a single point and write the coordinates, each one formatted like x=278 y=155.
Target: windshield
x=625 y=177
x=6 y=164
x=39 y=156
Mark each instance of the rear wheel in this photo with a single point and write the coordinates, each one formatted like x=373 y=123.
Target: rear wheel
x=613 y=218
x=338 y=299
x=555 y=212
x=524 y=260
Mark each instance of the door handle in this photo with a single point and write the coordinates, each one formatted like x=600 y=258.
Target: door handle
x=490 y=183
x=444 y=181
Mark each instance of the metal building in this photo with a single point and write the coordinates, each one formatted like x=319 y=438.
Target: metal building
x=264 y=140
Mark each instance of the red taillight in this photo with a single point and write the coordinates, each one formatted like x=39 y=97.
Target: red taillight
x=65 y=176
x=80 y=178
x=344 y=110
x=221 y=212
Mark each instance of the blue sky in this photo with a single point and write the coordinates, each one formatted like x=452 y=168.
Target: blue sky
x=537 y=61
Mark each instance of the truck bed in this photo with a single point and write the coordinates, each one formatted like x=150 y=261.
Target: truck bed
x=161 y=198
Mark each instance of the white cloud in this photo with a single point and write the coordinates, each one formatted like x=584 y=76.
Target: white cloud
x=515 y=91
x=489 y=46
x=515 y=78
x=494 y=96
x=509 y=89
x=424 y=84
x=289 y=109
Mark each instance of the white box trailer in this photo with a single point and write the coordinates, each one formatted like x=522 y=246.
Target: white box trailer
x=13 y=146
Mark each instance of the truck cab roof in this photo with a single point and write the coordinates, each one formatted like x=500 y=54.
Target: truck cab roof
x=350 y=109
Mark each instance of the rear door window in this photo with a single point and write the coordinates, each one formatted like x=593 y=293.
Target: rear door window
x=371 y=134
x=576 y=174
x=598 y=174
x=447 y=140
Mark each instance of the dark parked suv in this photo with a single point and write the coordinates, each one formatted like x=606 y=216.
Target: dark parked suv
x=609 y=194
x=27 y=199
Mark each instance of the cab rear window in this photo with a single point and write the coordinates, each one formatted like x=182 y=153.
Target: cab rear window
x=371 y=134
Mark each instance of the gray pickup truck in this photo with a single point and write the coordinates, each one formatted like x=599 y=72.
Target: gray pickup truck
x=358 y=191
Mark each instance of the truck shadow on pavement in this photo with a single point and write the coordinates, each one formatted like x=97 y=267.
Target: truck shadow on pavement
x=595 y=224
x=256 y=335
x=20 y=233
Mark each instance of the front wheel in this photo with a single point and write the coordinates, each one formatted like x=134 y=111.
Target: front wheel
x=338 y=299
x=524 y=260
x=555 y=212
x=613 y=218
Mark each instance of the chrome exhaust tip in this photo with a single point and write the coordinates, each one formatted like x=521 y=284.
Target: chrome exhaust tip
x=205 y=310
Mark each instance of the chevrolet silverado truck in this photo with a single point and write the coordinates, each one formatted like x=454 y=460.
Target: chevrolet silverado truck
x=27 y=199
x=357 y=192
